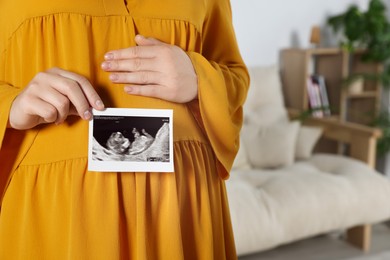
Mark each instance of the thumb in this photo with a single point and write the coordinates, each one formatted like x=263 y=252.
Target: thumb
x=143 y=41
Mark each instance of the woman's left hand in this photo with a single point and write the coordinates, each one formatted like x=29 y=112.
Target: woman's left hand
x=153 y=69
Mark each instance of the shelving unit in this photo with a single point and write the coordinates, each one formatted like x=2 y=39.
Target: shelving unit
x=334 y=65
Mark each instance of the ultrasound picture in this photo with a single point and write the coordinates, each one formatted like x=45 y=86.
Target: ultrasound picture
x=130 y=138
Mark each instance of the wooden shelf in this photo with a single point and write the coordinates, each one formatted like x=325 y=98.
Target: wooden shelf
x=317 y=51
x=325 y=51
x=365 y=94
x=335 y=65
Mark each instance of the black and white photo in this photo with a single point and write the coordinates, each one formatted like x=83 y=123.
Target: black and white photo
x=131 y=140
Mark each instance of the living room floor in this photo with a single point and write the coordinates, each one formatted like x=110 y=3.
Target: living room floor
x=330 y=247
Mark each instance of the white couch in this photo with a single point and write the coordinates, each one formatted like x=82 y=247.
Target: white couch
x=280 y=192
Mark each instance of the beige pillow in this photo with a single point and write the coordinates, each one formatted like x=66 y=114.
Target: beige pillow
x=272 y=146
x=265 y=96
x=266 y=115
x=265 y=87
x=308 y=137
x=241 y=161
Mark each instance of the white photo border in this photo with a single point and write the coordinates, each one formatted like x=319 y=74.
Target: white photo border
x=131 y=166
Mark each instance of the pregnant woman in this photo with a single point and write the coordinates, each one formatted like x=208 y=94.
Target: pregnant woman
x=60 y=59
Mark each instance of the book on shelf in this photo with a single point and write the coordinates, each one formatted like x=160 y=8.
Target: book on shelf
x=318 y=96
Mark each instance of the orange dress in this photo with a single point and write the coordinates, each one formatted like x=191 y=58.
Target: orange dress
x=52 y=207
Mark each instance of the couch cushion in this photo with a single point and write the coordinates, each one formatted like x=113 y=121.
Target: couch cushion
x=241 y=161
x=270 y=146
x=265 y=95
x=308 y=137
x=325 y=193
x=265 y=87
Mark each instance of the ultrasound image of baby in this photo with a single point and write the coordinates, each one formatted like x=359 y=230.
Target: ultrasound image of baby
x=141 y=142
x=133 y=144
x=118 y=143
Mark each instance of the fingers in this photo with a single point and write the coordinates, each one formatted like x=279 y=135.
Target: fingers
x=144 y=52
x=142 y=77
x=59 y=91
x=141 y=64
x=27 y=112
x=58 y=102
x=143 y=41
x=64 y=88
x=73 y=111
x=46 y=112
x=155 y=91
x=137 y=51
x=144 y=90
x=153 y=69
x=87 y=89
x=131 y=64
x=52 y=96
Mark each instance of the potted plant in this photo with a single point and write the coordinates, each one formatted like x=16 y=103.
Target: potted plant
x=368 y=30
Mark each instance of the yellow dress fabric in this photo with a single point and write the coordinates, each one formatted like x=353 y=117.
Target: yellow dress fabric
x=52 y=207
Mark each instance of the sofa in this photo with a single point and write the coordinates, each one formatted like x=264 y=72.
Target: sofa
x=282 y=190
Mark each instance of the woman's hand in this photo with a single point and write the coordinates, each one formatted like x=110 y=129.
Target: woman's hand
x=51 y=97
x=153 y=69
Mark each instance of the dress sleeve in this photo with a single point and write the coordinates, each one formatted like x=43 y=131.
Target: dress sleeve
x=223 y=83
x=7 y=95
x=8 y=157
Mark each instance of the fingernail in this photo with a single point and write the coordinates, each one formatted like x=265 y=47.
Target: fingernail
x=128 y=89
x=99 y=104
x=109 y=56
x=106 y=65
x=87 y=115
x=114 y=77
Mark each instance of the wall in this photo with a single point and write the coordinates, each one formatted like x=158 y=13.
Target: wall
x=263 y=27
x=383 y=163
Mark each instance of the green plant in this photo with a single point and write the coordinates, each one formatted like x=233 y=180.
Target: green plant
x=383 y=121
x=368 y=30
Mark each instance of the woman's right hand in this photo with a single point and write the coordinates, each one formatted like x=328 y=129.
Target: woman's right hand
x=51 y=97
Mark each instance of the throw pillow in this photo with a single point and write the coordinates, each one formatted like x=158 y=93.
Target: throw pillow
x=272 y=146
x=265 y=87
x=241 y=161
x=308 y=137
x=265 y=94
x=266 y=115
